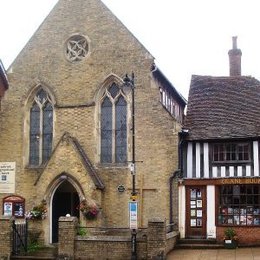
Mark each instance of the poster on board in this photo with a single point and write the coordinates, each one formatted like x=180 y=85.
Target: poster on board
x=7 y=177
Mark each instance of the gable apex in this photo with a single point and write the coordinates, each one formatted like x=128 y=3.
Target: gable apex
x=91 y=19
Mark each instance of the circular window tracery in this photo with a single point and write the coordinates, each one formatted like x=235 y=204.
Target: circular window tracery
x=76 y=48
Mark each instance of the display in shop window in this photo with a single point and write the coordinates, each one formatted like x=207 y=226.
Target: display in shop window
x=199 y=222
x=193 y=223
x=199 y=203
x=193 y=193
x=193 y=213
x=199 y=213
x=239 y=205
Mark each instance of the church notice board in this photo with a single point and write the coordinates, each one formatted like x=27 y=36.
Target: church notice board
x=7 y=177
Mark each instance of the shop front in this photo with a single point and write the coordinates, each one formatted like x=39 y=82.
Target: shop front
x=212 y=206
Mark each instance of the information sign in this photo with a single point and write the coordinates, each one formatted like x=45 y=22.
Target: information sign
x=133 y=214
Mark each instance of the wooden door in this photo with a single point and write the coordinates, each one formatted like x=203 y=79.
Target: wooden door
x=196 y=212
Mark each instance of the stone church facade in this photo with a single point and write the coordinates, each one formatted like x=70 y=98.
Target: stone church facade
x=67 y=132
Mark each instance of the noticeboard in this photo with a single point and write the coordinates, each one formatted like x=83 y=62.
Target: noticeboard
x=7 y=177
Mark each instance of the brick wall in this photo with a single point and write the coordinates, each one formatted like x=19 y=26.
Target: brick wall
x=67 y=234
x=153 y=243
x=5 y=237
x=246 y=235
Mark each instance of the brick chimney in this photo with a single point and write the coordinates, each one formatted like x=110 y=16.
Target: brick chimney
x=234 y=59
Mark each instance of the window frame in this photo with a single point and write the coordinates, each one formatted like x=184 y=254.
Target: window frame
x=114 y=100
x=227 y=211
x=227 y=152
x=29 y=104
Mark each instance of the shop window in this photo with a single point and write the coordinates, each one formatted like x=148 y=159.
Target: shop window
x=13 y=206
x=239 y=205
x=231 y=152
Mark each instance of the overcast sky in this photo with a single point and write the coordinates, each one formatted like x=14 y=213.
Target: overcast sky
x=185 y=36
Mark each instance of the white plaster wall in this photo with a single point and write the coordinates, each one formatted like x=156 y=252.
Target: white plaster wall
x=182 y=210
x=211 y=225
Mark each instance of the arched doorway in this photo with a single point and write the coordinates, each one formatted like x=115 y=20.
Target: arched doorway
x=65 y=201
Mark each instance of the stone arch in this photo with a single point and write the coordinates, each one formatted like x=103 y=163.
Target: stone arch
x=33 y=90
x=58 y=180
x=71 y=202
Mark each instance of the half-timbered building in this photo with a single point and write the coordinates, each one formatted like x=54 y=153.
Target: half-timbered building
x=220 y=143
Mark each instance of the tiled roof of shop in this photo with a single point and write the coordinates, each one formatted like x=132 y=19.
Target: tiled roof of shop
x=223 y=107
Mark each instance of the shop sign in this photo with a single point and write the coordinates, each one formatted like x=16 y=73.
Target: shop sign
x=241 y=181
x=7 y=177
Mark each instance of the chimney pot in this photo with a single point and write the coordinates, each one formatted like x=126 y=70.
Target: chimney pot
x=234 y=59
x=234 y=39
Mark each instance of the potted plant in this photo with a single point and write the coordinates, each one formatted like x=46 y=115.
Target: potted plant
x=230 y=238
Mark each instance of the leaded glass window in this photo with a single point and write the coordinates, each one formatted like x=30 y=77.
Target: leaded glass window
x=113 y=126
x=41 y=128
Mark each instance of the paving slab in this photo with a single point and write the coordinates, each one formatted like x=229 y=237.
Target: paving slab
x=244 y=253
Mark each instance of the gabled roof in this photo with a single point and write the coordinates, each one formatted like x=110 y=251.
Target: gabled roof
x=223 y=107
x=3 y=75
x=160 y=77
x=84 y=158
x=88 y=165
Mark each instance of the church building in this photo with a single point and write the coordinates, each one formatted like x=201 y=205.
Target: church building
x=69 y=128
x=3 y=81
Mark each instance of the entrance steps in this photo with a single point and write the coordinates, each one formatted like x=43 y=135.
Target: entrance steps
x=44 y=253
x=198 y=244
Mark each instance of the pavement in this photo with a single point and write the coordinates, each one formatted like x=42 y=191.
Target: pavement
x=244 y=253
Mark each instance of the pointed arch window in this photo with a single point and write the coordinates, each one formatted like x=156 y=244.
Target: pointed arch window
x=41 y=128
x=113 y=126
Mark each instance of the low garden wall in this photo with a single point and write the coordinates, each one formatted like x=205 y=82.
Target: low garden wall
x=152 y=243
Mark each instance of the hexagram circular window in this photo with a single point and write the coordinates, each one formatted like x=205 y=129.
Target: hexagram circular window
x=76 y=48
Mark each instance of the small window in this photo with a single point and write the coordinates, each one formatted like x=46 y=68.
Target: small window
x=231 y=152
x=77 y=48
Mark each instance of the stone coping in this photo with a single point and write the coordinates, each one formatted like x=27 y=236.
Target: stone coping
x=107 y=238
x=172 y=234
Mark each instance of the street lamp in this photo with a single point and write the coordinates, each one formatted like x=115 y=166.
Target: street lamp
x=129 y=83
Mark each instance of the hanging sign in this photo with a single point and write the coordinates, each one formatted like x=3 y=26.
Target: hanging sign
x=133 y=214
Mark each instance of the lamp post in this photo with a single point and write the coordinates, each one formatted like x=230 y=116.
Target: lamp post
x=129 y=82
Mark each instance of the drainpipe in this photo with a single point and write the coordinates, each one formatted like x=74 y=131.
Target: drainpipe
x=178 y=172
x=173 y=176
